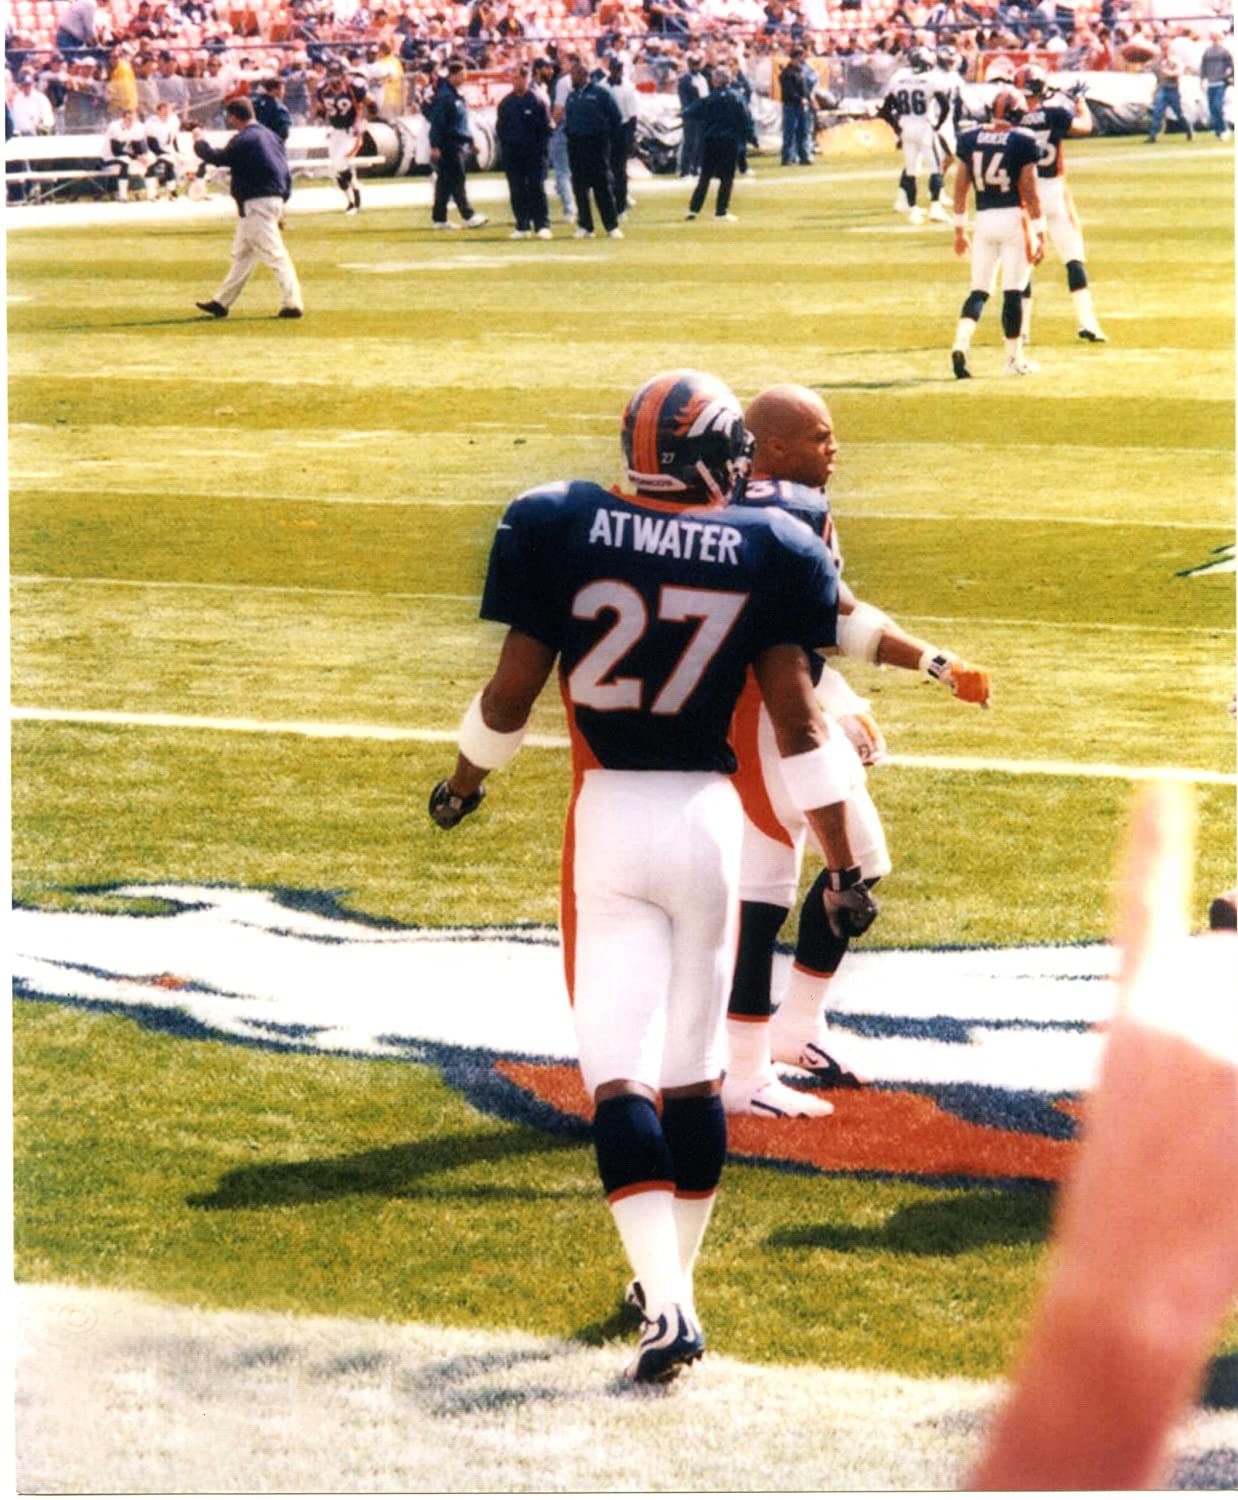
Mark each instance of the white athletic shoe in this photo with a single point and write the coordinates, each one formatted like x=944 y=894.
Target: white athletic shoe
x=519 y=234
x=476 y=221
x=1017 y=366
x=901 y=205
x=446 y=224
x=916 y=216
x=544 y=234
x=583 y=234
x=726 y=218
x=816 y=1051
x=938 y=214
x=767 y=1096
x=672 y=1338
x=615 y=234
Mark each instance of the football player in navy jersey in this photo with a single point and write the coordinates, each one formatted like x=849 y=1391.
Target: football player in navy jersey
x=793 y=457
x=655 y=603
x=339 y=102
x=1052 y=118
x=999 y=161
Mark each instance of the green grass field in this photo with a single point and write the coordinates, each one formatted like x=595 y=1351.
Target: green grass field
x=289 y=522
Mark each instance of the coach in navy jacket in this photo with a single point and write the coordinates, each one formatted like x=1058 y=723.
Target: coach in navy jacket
x=726 y=126
x=450 y=138
x=523 y=130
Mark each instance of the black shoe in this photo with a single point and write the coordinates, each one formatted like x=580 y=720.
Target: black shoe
x=290 y=312
x=1092 y=335
x=212 y=308
x=959 y=360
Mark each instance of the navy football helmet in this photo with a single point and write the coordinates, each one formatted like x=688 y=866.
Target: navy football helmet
x=1033 y=80
x=684 y=437
x=1008 y=104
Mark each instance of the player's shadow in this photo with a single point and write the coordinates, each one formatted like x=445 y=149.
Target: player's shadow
x=391 y=1172
x=940 y=1226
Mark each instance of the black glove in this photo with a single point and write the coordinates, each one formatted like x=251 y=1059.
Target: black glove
x=447 y=808
x=1078 y=90
x=849 y=905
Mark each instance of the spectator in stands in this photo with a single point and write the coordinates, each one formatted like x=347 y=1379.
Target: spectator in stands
x=522 y=127
x=85 y=103
x=31 y=108
x=387 y=82
x=450 y=138
x=77 y=30
x=141 y=28
x=122 y=88
x=270 y=109
x=692 y=87
x=146 y=84
x=170 y=86
x=592 y=121
x=1216 y=73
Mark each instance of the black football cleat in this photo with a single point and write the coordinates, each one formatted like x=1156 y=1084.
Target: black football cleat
x=290 y=312
x=1093 y=336
x=670 y=1341
x=212 y=309
x=959 y=360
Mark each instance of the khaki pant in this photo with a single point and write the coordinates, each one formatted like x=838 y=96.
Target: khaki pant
x=257 y=239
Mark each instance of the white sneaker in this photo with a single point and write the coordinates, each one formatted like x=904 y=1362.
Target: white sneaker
x=519 y=234
x=727 y=218
x=766 y=1095
x=615 y=234
x=689 y=215
x=544 y=234
x=583 y=234
x=672 y=1338
x=916 y=216
x=815 y=1051
x=476 y=221
x=901 y=205
x=1017 y=366
x=938 y=214
x=446 y=224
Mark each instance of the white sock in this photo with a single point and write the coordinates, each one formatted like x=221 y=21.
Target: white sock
x=122 y=190
x=1084 y=311
x=1025 y=333
x=747 y=1046
x=648 y=1227
x=1012 y=348
x=691 y=1222
x=803 y=1000
x=963 y=333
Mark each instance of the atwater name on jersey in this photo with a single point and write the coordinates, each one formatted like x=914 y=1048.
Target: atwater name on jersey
x=656 y=613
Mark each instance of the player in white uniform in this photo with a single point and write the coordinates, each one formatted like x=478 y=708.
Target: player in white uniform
x=793 y=457
x=127 y=153
x=1053 y=118
x=162 y=129
x=655 y=604
x=917 y=103
x=340 y=103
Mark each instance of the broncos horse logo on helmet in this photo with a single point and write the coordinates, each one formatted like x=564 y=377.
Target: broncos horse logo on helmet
x=684 y=437
x=1033 y=80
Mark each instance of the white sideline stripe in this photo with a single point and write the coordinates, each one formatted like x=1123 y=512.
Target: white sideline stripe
x=284 y=588
x=561 y=742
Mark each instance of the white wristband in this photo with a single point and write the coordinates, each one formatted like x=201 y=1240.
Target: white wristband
x=486 y=748
x=1038 y=227
x=960 y=221
x=936 y=663
x=820 y=777
x=860 y=632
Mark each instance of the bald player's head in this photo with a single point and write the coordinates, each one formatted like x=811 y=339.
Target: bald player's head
x=793 y=435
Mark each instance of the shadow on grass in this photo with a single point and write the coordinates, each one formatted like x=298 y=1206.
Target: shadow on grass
x=393 y=1172
x=943 y=1226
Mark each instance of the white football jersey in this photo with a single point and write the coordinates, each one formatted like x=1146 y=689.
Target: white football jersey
x=919 y=96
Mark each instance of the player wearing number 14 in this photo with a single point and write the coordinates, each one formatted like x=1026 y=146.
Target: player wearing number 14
x=655 y=602
x=999 y=161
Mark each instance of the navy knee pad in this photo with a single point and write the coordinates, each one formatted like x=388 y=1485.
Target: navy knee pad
x=974 y=305
x=935 y=181
x=342 y=179
x=1076 y=276
x=630 y=1146
x=759 y=925
x=817 y=947
x=1012 y=314
x=695 y=1132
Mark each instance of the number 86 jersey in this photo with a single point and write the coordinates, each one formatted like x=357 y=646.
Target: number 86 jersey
x=656 y=611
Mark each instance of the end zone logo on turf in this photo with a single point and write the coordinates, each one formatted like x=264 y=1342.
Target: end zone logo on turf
x=975 y=1056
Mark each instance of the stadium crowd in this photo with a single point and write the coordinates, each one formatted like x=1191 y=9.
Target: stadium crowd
x=89 y=60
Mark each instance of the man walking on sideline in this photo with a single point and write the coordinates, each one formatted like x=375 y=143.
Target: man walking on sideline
x=725 y=125
x=522 y=127
x=261 y=185
x=450 y=138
